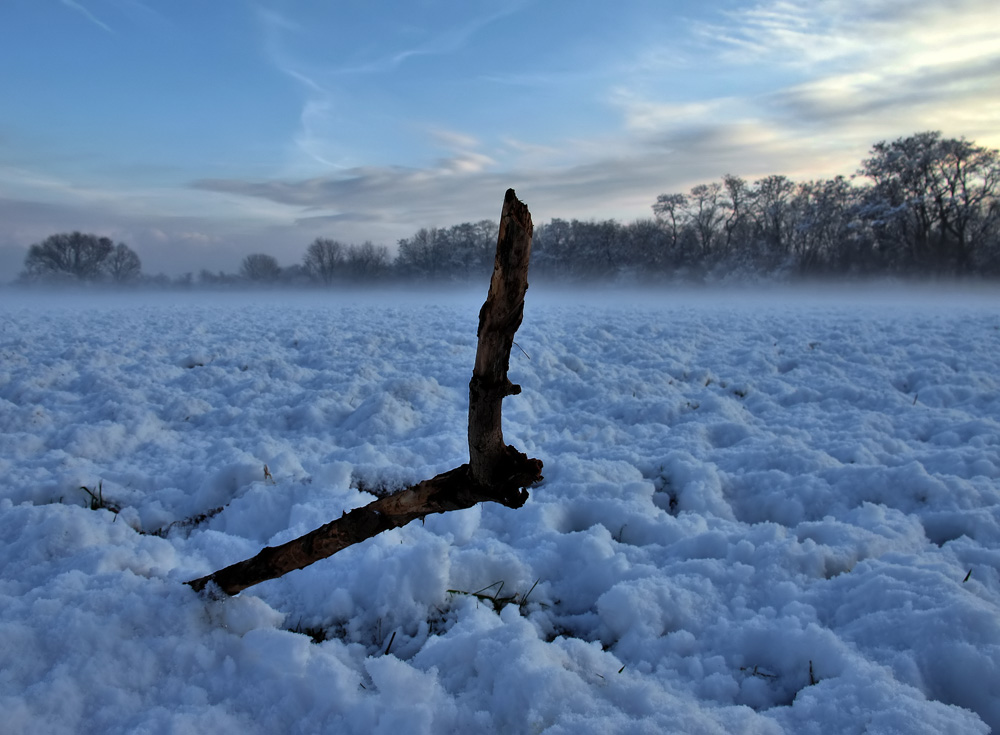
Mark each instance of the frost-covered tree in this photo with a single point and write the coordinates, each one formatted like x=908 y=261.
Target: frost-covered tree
x=933 y=200
x=824 y=235
x=707 y=212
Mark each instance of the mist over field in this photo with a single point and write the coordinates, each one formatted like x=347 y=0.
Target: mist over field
x=898 y=293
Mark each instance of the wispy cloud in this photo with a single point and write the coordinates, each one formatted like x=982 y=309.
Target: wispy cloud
x=440 y=43
x=857 y=33
x=621 y=184
x=855 y=83
x=88 y=15
x=836 y=76
x=337 y=91
x=275 y=27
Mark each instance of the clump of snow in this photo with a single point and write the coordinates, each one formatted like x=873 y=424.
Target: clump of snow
x=758 y=516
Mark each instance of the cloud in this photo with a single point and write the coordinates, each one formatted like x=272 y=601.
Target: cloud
x=931 y=89
x=880 y=36
x=621 y=184
x=454 y=139
x=87 y=14
x=439 y=43
x=347 y=118
x=823 y=82
x=643 y=115
x=276 y=27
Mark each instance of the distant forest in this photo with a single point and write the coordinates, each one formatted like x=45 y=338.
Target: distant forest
x=918 y=206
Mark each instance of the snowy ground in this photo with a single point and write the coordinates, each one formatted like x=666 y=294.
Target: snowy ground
x=758 y=516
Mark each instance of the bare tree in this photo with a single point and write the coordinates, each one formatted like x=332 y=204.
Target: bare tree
x=736 y=223
x=366 y=261
x=772 y=213
x=261 y=268
x=669 y=211
x=966 y=199
x=74 y=255
x=706 y=212
x=123 y=264
x=323 y=259
x=419 y=255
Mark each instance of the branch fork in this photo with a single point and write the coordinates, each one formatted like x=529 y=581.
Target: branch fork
x=496 y=472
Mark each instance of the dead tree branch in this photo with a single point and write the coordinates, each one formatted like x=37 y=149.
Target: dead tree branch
x=496 y=472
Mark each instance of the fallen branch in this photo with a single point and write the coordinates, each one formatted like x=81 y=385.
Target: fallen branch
x=496 y=472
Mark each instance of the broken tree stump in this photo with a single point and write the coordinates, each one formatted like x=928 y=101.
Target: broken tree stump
x=496 y=472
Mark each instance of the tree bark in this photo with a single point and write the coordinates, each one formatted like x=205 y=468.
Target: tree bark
x=499 y=319
x=495 y=472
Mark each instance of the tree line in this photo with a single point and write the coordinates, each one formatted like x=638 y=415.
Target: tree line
x=920 y=205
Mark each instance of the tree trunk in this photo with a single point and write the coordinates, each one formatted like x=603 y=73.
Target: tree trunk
x=499 y=319
x=496 y=472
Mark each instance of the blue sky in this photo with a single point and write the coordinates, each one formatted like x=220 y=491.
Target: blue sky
x=198 y=132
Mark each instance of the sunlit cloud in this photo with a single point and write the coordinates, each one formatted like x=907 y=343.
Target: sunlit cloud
x=465 y=154
x=643 y=115
x=857 y=72
x=531 y=151
x=858 y=32
x=453 y=139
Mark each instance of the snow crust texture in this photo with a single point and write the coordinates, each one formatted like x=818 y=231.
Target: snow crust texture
x=759 y=516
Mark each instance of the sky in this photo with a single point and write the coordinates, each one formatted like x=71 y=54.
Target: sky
x=199 y=132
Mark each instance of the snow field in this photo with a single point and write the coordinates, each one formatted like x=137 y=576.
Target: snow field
x=758 y=516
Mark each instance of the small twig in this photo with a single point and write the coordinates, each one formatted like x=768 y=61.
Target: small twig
x=391 y=639
x=495 y=599
x=967 y=577
x=479 y=593
x=524 y=600
x=97 y=501
x=522 y=350
x=758 y=673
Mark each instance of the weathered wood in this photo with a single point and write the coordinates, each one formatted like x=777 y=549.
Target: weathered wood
x=499 y=319
x=496 y=472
